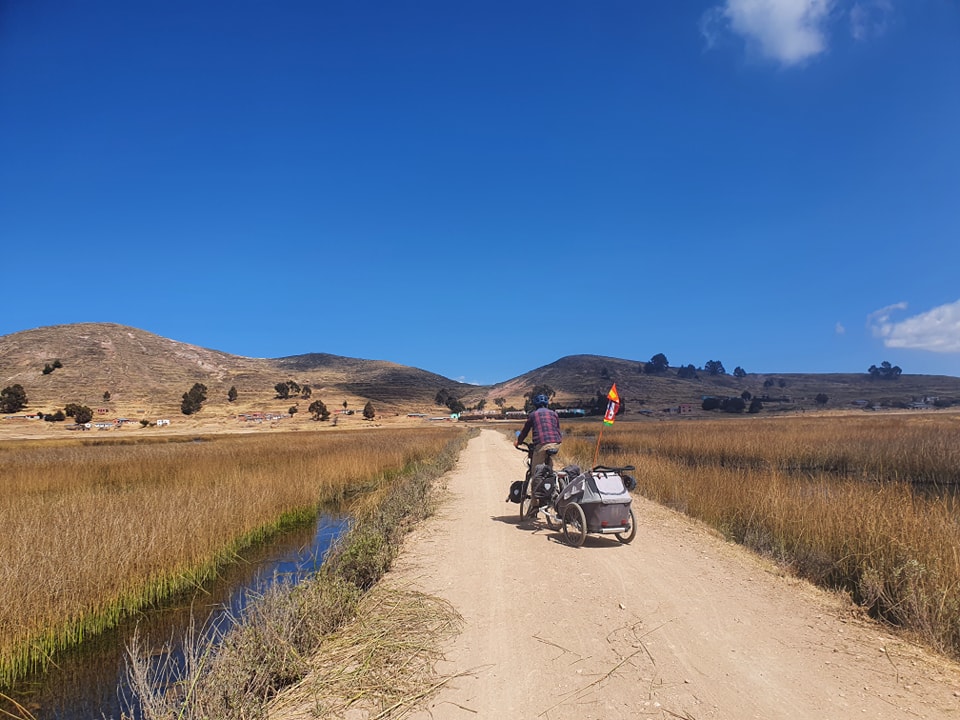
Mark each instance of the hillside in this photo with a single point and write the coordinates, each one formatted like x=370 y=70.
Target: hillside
x=146 y=376
x=579 y=378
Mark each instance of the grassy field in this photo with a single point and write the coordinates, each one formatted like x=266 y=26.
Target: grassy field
x=96 y=531
x=843 y=501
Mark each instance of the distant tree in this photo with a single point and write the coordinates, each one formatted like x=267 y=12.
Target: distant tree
x=144 y=422
x=306 y=392
x=319 y=410
x=500 y=402
x=739 y=372
x=604 y=373
x=58 y=416
x=482 y=404
x=294 y=387
x=71 y=409
x=746 y=395
x=733 y=405
x=755 y=406
x=193 y=399
x=658 y=364
x=687 y=372
x=710 y=403
x=886 y=371
x=344 y=404
x=232 y=393
x=82 y=415
x=106 y=396
x=369 y=413
x=455 y=405
x=283 y=391
x=13 y=398
x=768 y=383
x=47 y=369
x=293 y=410
x=714 y=367
x=781 y=383
x=821 y=399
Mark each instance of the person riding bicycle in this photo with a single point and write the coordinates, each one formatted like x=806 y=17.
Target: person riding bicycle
x=544 y=423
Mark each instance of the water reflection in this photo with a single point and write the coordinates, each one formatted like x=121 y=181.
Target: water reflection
x=89 y=682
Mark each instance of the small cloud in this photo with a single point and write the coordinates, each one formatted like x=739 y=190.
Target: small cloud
x=870 y=18
x=787 y=31
x=840 y=329
x=937 y=330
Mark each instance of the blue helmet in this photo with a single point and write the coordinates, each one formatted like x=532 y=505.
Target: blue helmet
x=541 y=401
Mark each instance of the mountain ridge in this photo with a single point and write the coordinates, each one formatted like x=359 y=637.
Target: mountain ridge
x=148 y=372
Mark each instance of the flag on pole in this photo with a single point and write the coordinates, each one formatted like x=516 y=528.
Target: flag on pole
x=612 y=406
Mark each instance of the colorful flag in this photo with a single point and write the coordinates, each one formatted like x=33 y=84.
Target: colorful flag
x=612 y=395
x=612 y=407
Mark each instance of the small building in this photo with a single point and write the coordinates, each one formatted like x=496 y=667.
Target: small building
x=163 y=423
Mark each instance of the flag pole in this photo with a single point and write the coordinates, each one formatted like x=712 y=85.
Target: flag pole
x=613 y=405
x=596 y=453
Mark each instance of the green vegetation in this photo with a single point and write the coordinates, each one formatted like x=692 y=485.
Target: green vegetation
x=13 y=398
x=658 y=364
x=81 y=414
x=50 y=367
x=319 y=410
x=886 y=371
x=369 y=413
x=232 y=394
x=714 y=367
x=193 y=399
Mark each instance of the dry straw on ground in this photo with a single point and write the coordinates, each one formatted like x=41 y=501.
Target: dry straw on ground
x=378 y=665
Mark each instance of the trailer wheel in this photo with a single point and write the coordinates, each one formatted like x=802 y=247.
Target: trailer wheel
x=627 y=537
x=574 y=525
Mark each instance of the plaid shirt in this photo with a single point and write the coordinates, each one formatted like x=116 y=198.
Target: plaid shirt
x=545 y=424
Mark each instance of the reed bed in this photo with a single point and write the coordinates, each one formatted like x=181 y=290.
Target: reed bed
x=857 y=527
x=914 y=448
x=95 y=533
x=341 y=639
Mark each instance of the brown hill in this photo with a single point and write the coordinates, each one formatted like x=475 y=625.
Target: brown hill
x=578 y=379
x=146 y=375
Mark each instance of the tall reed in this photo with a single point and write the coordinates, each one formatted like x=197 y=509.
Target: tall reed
x=826 y=498
x=92 y=534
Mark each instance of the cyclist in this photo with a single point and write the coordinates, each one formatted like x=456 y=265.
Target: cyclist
x=544 y=423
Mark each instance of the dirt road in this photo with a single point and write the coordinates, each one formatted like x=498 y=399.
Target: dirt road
x=679 y=624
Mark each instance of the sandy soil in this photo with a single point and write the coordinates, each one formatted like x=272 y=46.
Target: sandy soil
x=679 y=624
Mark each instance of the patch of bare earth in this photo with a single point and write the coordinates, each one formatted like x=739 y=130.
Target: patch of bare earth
x=679 y=624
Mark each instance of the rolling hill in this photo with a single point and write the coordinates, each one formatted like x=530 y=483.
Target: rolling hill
x=146 y=376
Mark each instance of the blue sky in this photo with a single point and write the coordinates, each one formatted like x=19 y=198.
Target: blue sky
x=480 y=188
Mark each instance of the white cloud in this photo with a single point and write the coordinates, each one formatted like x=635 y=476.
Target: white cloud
x=840 y=329
x=787 y=31
x=937 y=330
x=870 y=18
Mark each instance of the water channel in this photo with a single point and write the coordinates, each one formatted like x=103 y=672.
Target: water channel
x=90 y=682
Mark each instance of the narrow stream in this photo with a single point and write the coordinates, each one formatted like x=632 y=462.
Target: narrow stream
x=89 y=683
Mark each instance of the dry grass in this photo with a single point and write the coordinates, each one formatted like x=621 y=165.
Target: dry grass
x=296 y=636
x=95 y=533
x=382 y=662
x=825 y=497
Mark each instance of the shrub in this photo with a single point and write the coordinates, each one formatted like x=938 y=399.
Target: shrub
x=13 y=398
